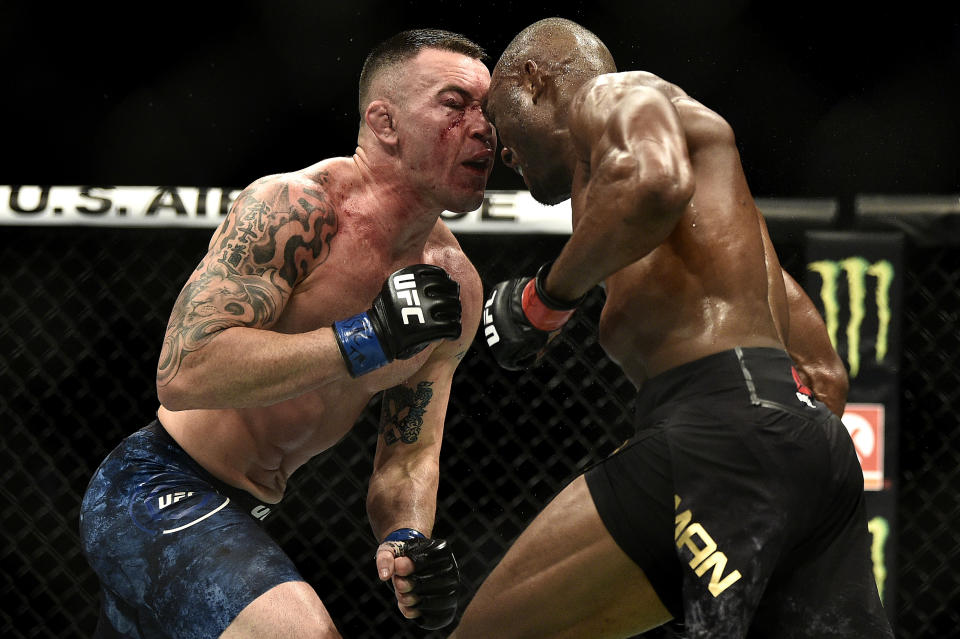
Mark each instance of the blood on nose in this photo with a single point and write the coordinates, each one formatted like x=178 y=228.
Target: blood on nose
x=484 y=128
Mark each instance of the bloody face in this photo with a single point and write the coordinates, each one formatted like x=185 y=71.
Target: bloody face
x=445 y=141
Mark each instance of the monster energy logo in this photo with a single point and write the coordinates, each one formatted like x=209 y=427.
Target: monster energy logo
x=857 y=269
x=879 y=529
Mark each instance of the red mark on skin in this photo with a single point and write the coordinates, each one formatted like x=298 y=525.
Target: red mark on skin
x=456 y=123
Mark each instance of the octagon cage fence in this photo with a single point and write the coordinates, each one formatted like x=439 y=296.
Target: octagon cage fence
x=84 y=309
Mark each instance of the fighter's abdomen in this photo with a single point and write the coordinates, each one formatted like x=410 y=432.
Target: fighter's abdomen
x=680 y=303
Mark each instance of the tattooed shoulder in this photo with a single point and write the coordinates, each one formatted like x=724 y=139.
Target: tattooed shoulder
x=277 y=231
x=286 y=224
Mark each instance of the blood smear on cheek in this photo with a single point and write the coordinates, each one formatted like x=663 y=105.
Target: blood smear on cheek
x=456 y=123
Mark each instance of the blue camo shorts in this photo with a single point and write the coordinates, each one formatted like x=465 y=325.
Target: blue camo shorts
x=177 y=552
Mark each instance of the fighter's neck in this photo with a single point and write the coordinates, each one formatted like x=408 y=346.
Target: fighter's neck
x=405 y=214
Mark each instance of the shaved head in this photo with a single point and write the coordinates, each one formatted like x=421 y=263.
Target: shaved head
x=564 y=49
x=531 y=90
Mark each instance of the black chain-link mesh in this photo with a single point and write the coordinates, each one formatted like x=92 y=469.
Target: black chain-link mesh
x=84 y=311
x=929 y=500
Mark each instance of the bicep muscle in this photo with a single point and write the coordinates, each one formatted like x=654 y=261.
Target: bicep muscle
x=276 y=232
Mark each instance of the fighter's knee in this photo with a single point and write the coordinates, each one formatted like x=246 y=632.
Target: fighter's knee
x=291 y=609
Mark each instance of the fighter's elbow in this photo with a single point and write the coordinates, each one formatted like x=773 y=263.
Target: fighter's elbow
x=667 y=186
x=169 y=398
x=841 y=383
x=176 y=394
x=660 y=199
x=835 y=373
x=678 y=187
x=831 y=386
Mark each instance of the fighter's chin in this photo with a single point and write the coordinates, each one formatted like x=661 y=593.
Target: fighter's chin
x=548 y=196
x=466 y=204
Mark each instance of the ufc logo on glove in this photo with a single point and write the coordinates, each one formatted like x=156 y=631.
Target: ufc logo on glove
x=489 y=330
x=385 y=331
x=406 y=287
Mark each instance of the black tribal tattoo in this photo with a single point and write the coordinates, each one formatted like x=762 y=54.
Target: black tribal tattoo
x=402 y=415
x=260 y=253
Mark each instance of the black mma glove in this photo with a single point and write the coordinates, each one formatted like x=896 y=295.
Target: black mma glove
x=418 y=304
x=435 y=578
x=519 y=317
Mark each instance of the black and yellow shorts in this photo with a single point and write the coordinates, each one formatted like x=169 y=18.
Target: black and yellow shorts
x=741 y=498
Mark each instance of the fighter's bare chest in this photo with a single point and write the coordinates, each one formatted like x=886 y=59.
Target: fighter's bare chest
x=346 y=284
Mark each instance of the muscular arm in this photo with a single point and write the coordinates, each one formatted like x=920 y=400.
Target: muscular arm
x=403 y=486
x=803 y=332
x=219 y=351
x=817 y=362
x=632 y=182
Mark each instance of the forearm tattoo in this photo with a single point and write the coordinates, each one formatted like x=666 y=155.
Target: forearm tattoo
x=263 y=249
x=401 y=417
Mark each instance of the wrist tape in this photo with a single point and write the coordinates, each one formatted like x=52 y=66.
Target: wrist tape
x=359 y=346
x=543 y=311
x=404 y=534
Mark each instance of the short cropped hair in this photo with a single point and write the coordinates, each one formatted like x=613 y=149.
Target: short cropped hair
x=406 y=45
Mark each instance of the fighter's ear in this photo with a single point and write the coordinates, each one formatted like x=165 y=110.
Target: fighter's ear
x=379 y=119
x=534 y=80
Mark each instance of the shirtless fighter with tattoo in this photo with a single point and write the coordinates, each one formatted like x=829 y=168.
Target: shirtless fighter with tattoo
x=737 y=507
x=322 y=288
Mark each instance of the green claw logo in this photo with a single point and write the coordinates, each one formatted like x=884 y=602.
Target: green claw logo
x=857 y=270
x=879 y=529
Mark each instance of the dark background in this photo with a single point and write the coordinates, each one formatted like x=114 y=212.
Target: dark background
x=827 y=98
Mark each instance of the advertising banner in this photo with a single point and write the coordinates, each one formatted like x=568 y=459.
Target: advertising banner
x=856 y=281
